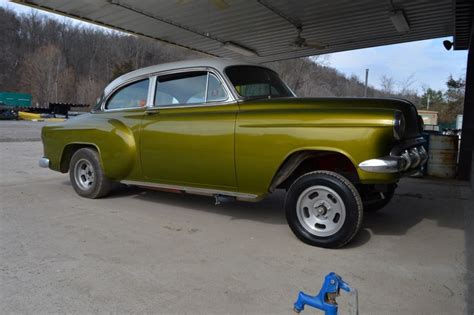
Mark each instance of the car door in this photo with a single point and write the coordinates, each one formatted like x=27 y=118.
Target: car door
x=187 y=135
x=117 y=133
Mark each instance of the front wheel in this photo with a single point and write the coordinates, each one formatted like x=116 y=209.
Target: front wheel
x=375 y=201
x=324 y=209
x=86 y=174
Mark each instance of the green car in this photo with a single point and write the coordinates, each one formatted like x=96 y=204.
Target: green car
x=235 y=131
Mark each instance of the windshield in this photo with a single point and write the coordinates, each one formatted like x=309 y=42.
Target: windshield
x=256 y=82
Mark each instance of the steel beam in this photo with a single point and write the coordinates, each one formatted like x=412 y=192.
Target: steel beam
x=466 y=153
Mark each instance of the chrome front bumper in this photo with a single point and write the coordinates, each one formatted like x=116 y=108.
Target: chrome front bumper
x=44 y=162
x=408 y=160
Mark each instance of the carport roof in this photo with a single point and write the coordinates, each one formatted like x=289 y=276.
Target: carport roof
x=267 y=29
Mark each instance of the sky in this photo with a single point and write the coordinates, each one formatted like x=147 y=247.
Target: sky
x=426 y=63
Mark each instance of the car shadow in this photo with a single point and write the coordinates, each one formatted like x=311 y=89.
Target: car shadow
x=406 y=210
x=269 y=210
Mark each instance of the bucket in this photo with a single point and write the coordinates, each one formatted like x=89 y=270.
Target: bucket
x=442 y=152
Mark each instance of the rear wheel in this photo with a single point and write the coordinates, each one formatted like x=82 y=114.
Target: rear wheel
x=87 y=176
x=324 y=209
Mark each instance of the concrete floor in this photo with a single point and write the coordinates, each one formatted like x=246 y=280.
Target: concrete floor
x=156 y=252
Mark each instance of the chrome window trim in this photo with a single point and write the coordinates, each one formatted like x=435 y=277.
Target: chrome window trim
x=217 y=63
x=230 y=96
x=207 y=87
x=128 y=109
x=118 y=87
x=151 y=92
x=223 y=84
x=201 y=105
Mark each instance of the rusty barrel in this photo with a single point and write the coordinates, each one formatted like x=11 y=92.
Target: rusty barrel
x=443 y=152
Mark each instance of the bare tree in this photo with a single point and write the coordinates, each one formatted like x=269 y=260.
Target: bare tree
x=9 y=46
x=57 y=61
x=45 y=74
x=388 y=84
x=406 y=85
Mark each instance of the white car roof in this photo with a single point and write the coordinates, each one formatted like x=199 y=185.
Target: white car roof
x=217 y=63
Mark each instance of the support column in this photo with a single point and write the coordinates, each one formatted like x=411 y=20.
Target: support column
x=466 y=153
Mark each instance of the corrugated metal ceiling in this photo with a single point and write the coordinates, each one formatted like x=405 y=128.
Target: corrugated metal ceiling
x=267 y=27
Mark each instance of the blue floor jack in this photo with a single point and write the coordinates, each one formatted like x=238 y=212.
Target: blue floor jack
x=326 y=298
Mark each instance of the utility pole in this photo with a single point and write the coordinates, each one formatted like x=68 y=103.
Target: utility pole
x=428 y=102
x=366 y=81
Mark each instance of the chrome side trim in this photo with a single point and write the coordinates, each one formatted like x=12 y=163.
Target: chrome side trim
x=43 y=162
x=193 y=190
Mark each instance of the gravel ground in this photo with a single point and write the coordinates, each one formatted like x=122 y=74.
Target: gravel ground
x=141 y=251
x=21 y=130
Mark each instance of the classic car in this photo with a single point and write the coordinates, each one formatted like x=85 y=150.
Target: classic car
x=235 y=131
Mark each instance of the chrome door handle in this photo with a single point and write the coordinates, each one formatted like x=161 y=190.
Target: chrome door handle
x=152 y=112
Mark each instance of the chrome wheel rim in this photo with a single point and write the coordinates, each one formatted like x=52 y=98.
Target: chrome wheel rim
x=321 y=211
x=84 y=174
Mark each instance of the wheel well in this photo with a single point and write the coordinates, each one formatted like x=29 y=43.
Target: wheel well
x=69 y=151
x=302 y=162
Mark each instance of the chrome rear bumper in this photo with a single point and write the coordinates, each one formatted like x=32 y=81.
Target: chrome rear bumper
x=44 y=162
x=408 y=160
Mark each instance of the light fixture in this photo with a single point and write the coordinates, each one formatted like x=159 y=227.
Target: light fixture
x=399 y=21
x=447 y=44
x=239 y=49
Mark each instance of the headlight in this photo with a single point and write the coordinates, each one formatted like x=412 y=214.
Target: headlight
x=398 y=125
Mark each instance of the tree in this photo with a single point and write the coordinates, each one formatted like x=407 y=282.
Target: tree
x=9 y=42
x=454 y=98
x=44 y=73
x=434 y=97
x=63 y=62
x=406 y=85
x=456 y=90
x=122 y=68
x=388 y=84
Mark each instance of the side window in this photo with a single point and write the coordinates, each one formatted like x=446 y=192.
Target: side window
x=130 y=96
x=181 y=89
x=188 y=88
x=215 y=90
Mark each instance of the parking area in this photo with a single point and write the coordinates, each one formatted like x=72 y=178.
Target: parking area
x=158 y=252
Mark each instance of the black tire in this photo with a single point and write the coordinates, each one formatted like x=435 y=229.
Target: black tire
x=380 y=201
x=85 y=160
x=346 y=193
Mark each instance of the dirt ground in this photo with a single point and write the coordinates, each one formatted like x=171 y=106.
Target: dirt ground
x=155 y=252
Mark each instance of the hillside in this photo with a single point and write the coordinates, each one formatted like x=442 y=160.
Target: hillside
x=61 y=62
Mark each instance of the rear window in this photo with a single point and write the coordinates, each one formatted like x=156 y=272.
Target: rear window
x=256 y=82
